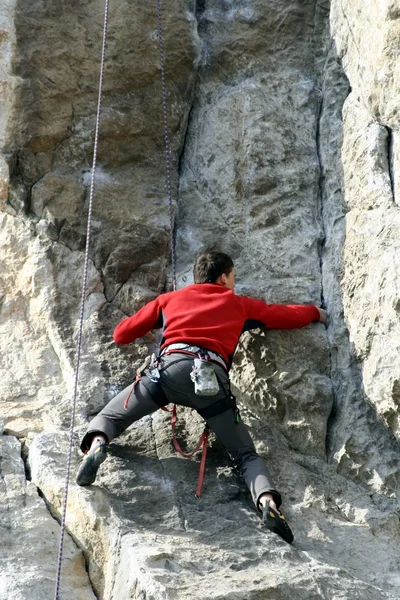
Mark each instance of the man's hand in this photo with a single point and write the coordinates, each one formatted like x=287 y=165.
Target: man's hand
x=323 y=316
x=147 y=338
x=151 y=337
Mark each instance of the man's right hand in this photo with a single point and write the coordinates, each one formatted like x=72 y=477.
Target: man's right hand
x=323 y=315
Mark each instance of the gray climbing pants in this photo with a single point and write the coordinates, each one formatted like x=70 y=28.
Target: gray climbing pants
x=175 y=386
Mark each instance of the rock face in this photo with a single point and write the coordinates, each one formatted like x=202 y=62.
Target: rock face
x=282 y=119
x=28 y=568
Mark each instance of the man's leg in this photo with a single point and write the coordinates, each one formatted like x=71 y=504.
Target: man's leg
x=176 y=383
x=128 y=406
x=240 y=447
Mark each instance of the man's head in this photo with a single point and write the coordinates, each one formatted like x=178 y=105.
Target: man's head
x=215 y=267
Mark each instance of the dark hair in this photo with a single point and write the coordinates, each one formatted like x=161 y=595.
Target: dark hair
x=210 y=266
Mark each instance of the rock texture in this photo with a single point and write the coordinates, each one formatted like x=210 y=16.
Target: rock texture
x=29 y=538
x=283 y=119
x=370 y=159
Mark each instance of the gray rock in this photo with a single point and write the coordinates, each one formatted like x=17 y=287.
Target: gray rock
x=28 y=568
x=283 y=121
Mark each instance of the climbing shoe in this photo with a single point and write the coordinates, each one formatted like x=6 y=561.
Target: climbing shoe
x=276 y=522
x=91 y=463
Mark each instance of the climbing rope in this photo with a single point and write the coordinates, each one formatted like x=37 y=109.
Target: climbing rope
x=167 y=144
x=82 y=307
x=86 y=262
x=203 y=441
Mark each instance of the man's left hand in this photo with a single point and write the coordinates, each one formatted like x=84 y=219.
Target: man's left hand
x=150 y=336
x=147 y=338
x=323 y=316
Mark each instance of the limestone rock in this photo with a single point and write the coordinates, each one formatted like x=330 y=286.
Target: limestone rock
x=28 y=569
x=369 y=158
x=283 y=120
x=180 y=546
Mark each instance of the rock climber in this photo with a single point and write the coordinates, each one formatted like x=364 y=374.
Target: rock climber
x=202 y=321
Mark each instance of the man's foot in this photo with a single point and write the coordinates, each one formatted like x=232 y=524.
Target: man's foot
x=275 y=521
x=91 y=463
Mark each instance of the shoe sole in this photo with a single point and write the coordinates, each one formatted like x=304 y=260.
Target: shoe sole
x=90 y=465
x=277 y=523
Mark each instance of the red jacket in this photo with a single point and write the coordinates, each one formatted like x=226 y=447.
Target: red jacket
x=210 y=316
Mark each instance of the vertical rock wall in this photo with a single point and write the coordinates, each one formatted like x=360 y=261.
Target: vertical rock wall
x=250 y=174
x=367 y=41
x=283 y=123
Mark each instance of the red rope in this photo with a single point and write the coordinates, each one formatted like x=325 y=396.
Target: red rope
x=137 y=379
x=203 y=441
x=202 y=463
x=175 y=441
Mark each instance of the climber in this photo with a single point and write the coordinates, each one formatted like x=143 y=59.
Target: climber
x=202 y=321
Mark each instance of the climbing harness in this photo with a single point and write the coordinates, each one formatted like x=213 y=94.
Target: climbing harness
x=150 y=369
x=82 y=307
x=217 y=408
x=191 y=350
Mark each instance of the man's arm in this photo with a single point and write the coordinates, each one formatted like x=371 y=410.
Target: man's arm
x=283 y=316
x=140 y=324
